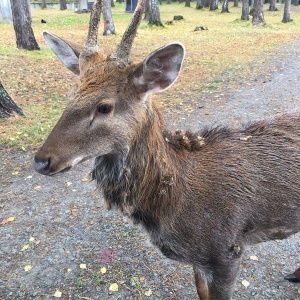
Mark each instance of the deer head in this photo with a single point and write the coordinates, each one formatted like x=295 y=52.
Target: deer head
x=112 y=97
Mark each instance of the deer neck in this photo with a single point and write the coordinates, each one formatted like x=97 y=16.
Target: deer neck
x=141 y=180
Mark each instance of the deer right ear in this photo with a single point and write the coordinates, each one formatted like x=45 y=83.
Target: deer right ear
x=66 y=53
x=160 y=69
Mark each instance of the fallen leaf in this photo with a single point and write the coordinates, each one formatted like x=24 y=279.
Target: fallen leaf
x=4 y=221
x=27 y=268
x=57 y=294
x=103 y=270
x=25 y=247
x=74 y=212
x=37 y=187
x=148 y=293
x=245 y=283
x=69 y=270
x=68 y=183
x=10 y=219
x=113 y=287
x=82 y=266
x=31 y=239
x=253 y=257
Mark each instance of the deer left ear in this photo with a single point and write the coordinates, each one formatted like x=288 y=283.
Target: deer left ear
x=160 y=69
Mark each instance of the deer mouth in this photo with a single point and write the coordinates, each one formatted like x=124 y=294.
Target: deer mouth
x=47 y=167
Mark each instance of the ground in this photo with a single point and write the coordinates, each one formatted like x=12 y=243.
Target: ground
x=57 y=236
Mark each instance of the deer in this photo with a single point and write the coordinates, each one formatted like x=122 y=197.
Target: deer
x=203 y=196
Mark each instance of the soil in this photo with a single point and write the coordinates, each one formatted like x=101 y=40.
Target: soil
x=64 y=236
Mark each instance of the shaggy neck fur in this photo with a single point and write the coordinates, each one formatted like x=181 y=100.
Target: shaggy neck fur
x=141 y=180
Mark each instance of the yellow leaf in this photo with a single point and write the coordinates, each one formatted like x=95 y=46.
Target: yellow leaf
x=69 y=270
x=27 y=268
x=245 y=283
x=25 y=247
x=148 y=293
x=82 y=266
x=57 y=294
x=103 y=270
x=253 y=257
x=113 y=287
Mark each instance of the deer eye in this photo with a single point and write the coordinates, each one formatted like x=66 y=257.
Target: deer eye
x=105 y=108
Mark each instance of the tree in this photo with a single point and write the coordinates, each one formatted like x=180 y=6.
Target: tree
x=272 y=6
x=225 y=6
x=258 y=13
x=154 y=14
x=7 y=105
x=235 y=3
x=286 y=12
x=199 y=4
x=109 y=27
x=63 y=4
x=43 y=4
x=187 y=3
x=245 y=10
x=213 y=4
x=22 y=25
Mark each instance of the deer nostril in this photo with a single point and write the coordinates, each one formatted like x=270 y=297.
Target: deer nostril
x=42 y=165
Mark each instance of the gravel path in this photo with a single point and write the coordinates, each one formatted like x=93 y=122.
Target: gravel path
x=60 y=223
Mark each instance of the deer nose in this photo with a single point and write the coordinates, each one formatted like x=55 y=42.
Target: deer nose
x=42 y=165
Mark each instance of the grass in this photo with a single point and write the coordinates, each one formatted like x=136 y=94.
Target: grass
x=39 y=84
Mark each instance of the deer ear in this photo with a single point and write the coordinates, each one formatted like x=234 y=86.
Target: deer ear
x=66 y=52
x=160 y=69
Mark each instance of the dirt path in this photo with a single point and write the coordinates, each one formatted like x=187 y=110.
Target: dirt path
x=61 y=222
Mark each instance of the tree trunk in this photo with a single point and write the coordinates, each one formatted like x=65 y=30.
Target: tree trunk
x=112 y=3
x=225 y=6
x=154 y=14
x=245 y=10
x=63 y=4
x=7 y=105
x=235 y=3
x=22 y=25
x=258 y=13
x=43 y=4
x=295 y=2
x=147 y=10
x=187 y=3
x=272 y=6
x=207 y=3
x=213 y=4
x=286 y=13
x=199 y=4
x=109 y=27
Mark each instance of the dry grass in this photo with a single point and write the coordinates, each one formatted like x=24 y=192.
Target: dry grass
x=38 y=83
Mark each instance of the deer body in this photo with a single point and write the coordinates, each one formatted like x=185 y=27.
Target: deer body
x=201 y=196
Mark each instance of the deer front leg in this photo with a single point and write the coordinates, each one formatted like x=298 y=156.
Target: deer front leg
x=220 y=284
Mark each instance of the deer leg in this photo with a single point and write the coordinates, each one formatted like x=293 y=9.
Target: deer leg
x=294 y=277
x=201 y=284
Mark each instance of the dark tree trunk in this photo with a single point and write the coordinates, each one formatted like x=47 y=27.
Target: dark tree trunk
x=187 y=3
x=213 y=4
x=258 y=13
x=7 y=105
x=147 y=10
x=112 y=3
x=272 y=6
x=22 y=25
x=169 y=1
x=63 y=4
x=235 y=3
x=154 y=14
x=245 y=10
x=225 y=7
x=199 y=4
x=295 y=2
x=286 y=13
x=43 y=4
x=207 y=3
x=109 y=27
